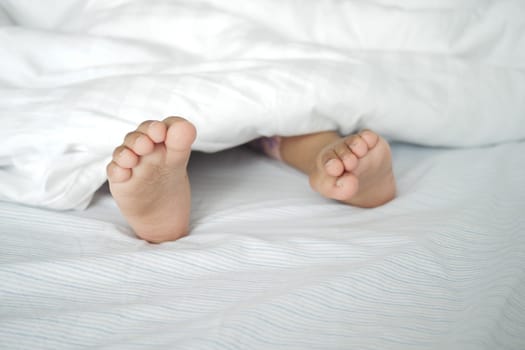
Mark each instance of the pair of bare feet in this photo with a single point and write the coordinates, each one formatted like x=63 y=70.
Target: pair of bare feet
x=149 y=181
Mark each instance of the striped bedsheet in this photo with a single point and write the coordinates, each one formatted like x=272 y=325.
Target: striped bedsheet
x=271 y=265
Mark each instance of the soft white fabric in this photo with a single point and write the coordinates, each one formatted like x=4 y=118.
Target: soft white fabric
x=440 y=267
x=75 y=76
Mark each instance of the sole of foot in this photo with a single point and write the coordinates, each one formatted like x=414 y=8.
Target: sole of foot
x=356 y=170
x=149 y=181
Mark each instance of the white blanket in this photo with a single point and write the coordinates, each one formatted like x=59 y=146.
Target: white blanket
x=75 y=76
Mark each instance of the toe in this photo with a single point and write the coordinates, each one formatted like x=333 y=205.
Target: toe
x=346 y=187
x=370 y=137
x=358 y=146
x=346 y=155
x=334 y=167
x=180 y=134
x=116 y=173
x=125 y=158
x=155 y=130
x=339 y=188
x=139 y=143
x=330 y=163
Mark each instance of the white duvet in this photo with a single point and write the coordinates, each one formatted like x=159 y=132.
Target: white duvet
x=75 y=76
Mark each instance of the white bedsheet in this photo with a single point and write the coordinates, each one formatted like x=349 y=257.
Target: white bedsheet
x=75 y=76
x=271 y=265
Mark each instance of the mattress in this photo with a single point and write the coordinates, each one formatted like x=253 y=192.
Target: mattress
x=269 y=264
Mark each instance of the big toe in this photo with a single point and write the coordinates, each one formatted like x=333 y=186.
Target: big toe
x=180 y=135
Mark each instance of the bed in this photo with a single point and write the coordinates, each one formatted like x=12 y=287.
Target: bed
x=269 y=264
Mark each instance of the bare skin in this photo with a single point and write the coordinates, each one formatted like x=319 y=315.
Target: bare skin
x=148 y=173
x=355 y=169
x=148 y=179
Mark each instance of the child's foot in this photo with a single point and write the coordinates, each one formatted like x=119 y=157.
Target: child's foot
x=148 y=178
x=356 y=170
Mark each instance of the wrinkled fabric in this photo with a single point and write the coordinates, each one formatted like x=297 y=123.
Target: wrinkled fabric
x=76 y=76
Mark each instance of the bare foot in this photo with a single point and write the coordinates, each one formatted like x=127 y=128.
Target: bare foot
x=356 y=170
x=149 y=181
